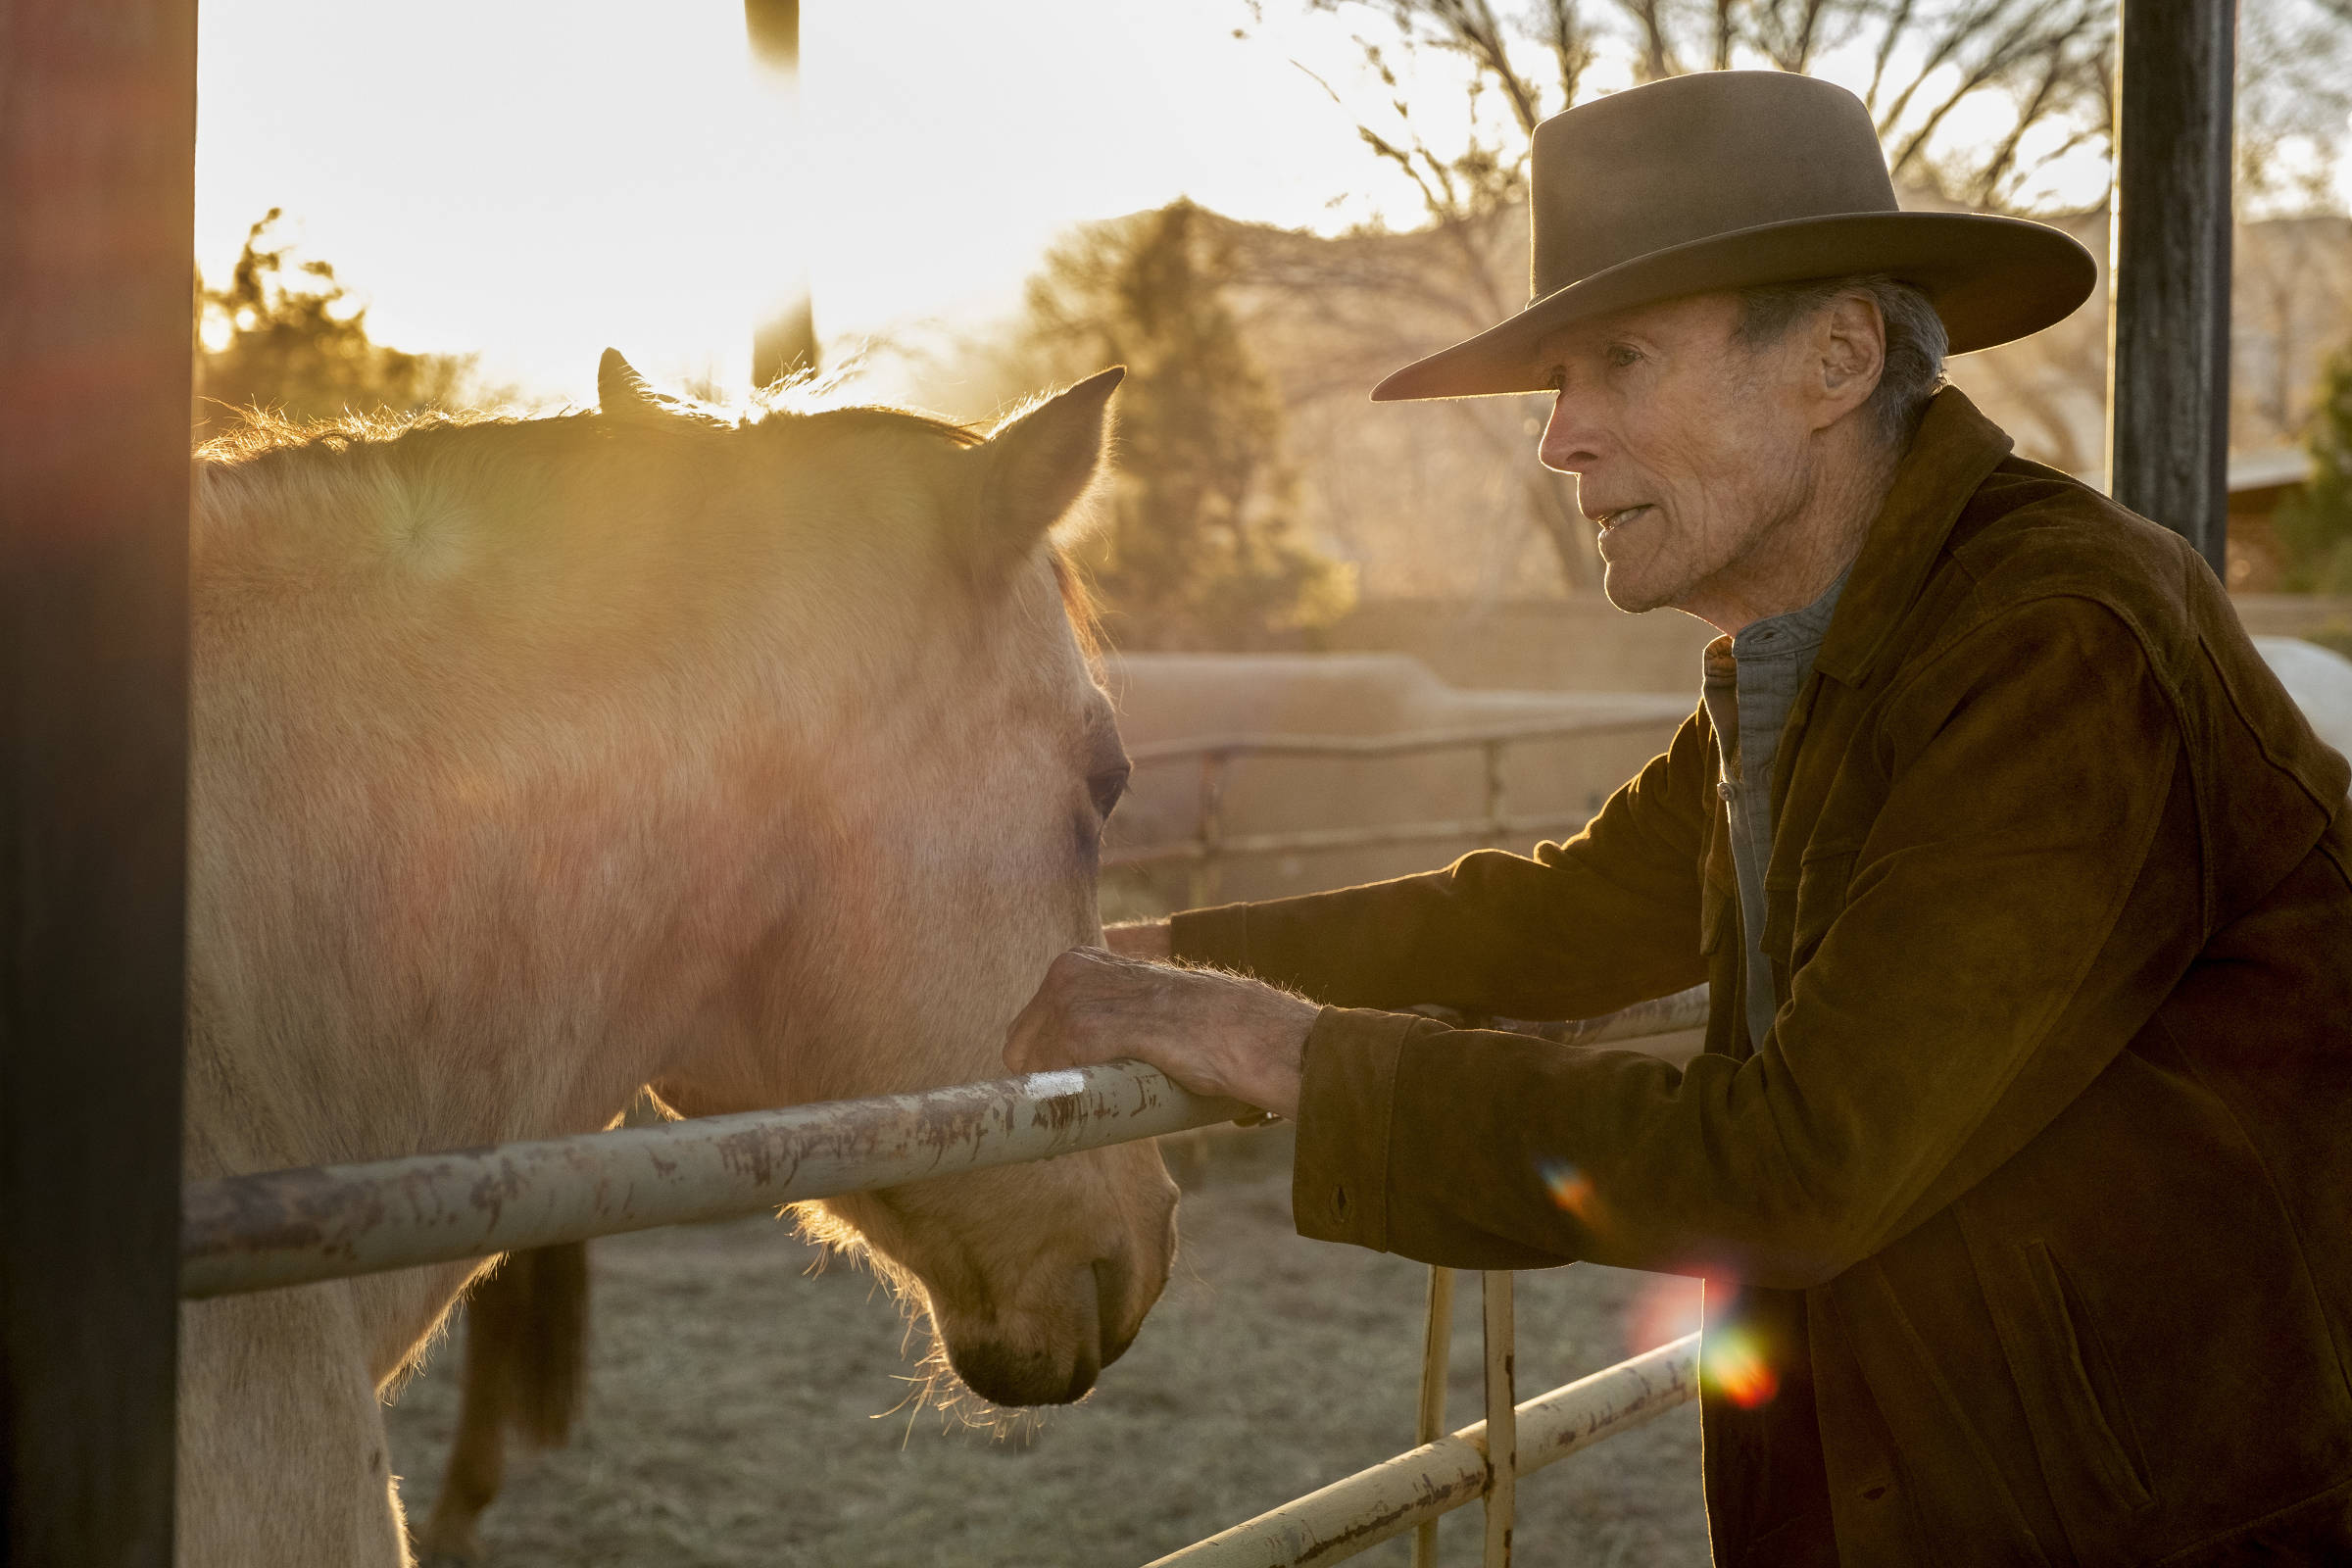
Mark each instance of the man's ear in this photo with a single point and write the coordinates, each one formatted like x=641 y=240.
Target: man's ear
x=1851 y=338
x=1039 y=463
x=623 y=396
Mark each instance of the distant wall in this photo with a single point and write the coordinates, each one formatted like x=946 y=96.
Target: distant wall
x=2293 y=615
x=1573 y=645
x=1589 y=644
x=1168 y=697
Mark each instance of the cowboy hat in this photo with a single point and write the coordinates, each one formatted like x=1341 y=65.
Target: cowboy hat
x=1730 y=179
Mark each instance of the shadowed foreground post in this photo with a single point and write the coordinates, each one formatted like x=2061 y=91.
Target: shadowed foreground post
x=97 y=152
x=2167 y=394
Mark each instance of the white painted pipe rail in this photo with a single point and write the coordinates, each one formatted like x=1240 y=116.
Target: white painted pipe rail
x=294 y=1227
x=1634 y=715
x=1373 y=1505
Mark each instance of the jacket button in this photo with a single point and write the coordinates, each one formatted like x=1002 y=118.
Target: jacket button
x=1723 y=788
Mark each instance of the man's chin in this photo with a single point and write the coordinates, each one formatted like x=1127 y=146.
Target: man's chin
x=1629 y=592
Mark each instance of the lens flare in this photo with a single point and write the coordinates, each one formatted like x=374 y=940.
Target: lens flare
x=1735 y=1365
x=1570 y=1188
x=1665 y=1308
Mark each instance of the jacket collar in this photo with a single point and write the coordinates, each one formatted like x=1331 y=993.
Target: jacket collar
x=1954 y=451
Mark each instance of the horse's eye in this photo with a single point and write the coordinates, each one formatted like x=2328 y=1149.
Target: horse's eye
x=1107 y=786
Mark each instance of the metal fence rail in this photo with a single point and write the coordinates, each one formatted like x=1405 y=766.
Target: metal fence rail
x=295 y=1227
x=1413 y=1489
x=1210 y=843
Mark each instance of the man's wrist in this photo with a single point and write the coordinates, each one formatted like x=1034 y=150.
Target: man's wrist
x=1275 y=1074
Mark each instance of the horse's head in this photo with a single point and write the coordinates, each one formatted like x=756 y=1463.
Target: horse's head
x=931 y=762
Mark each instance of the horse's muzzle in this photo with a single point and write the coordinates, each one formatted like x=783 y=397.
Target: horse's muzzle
x=1005 y=1372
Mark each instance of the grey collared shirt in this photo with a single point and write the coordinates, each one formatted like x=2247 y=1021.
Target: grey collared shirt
x=1750 y=683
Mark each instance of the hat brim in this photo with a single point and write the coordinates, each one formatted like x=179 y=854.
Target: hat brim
x=1993 y=280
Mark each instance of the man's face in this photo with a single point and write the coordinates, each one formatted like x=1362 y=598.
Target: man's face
x=1688 y=447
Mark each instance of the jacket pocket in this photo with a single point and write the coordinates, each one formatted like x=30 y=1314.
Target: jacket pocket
x=1822 y=880
x=2082 y=1376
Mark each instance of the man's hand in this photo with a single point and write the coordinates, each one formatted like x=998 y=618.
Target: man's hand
x=1214 y=1033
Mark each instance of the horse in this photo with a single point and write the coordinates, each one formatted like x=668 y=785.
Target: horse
x=747 y=761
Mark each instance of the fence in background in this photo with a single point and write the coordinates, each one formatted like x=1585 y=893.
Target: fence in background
x=290 y=1227
x=1211 y=844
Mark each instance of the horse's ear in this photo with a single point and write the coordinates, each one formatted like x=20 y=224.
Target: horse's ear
x=623 y=396
x=620 y=391
x=1040 y=463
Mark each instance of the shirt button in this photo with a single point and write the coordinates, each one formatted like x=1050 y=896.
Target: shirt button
x=1723 y=788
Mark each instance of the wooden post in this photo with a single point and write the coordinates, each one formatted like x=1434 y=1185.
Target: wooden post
x=2167 y=375
x=97 y=192
x=787 y=341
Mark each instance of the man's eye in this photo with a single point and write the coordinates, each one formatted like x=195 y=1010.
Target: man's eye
x=1107 y=786
x=1622 y=355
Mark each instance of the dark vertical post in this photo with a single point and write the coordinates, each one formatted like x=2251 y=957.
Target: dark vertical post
x=785 y=342
x=97 y=155
x=2168 y=389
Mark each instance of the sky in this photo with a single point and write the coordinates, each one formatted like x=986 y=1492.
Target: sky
x=532 y=182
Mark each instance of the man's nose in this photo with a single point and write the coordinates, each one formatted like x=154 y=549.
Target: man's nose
x=1570 y=442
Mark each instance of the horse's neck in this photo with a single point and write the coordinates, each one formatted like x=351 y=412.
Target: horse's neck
x=404 y=953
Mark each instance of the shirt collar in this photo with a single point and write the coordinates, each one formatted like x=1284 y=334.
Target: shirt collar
x=1793 y=631
x=1953 y=451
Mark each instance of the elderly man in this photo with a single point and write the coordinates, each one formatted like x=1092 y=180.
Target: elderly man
x=2019 y=1161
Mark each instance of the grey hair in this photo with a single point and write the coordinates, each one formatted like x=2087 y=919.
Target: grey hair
x=1916 y=342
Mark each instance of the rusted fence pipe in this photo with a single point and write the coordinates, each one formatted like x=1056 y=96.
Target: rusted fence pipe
x=294 y=1227
x=1373 y=1505
x=1632 y=716
x=1315 y=841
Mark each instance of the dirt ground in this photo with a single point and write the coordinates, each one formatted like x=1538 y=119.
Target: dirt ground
x=745 y=1409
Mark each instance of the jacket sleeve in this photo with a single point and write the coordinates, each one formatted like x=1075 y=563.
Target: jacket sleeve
x=1605 y=920
x=2009 y=921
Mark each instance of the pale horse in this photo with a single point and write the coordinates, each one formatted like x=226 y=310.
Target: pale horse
x=754 y=761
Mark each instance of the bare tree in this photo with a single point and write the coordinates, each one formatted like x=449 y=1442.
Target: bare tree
x=1993 y=105
x=1973 y=98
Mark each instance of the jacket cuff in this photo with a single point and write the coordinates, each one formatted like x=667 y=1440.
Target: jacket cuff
x=1218 y=936
x=1340 y=1175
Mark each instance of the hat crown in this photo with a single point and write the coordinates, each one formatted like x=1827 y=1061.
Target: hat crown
x=1691 y=157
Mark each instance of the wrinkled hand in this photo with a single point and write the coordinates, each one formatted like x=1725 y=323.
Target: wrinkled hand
x=1214 y=1033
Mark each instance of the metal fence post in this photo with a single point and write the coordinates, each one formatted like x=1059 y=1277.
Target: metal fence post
x=1436 y=1344
x=1212 y=828
x=1496 y=828
x=1502 y=1419
x=97 y=183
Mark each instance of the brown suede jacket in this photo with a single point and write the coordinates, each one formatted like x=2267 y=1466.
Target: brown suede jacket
x=2037 y=1198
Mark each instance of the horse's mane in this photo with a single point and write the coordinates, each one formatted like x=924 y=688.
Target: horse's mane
x=419 y=435
x=410 y=443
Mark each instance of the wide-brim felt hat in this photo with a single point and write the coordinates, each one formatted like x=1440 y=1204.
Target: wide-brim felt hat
x=1733 y=180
